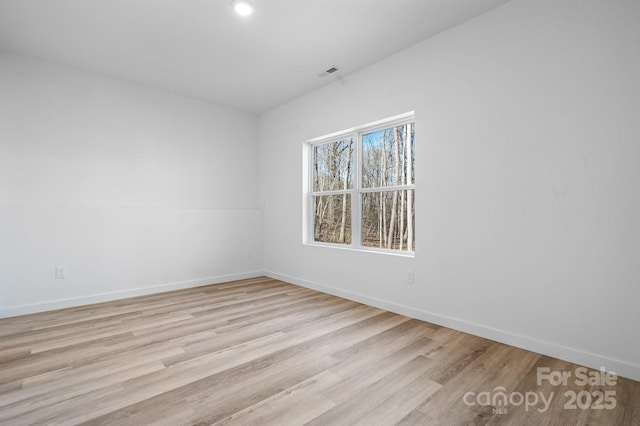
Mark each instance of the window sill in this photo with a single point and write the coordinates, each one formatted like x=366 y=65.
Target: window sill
x=374 y=250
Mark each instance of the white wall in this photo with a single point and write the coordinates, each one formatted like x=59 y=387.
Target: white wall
x=132 y=189
x=527 y=181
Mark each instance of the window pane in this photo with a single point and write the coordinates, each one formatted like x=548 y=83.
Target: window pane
x=388 y=220
x=388 y=157
x=332 y=165
x=332 y=218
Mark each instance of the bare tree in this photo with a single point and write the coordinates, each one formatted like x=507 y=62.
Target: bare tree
x=344 y=196
x=394 y=202
x=383 y=183
x=402 y=203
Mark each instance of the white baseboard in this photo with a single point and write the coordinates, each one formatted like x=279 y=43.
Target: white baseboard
x=576 y=356
x=12 y=311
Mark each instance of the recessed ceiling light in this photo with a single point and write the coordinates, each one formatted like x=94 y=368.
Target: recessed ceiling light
x=242 y=7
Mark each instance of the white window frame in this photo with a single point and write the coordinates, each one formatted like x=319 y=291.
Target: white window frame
x=356 y=190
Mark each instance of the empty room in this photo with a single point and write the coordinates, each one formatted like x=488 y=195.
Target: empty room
x=322 y=212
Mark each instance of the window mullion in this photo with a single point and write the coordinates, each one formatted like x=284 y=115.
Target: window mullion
x=356 y=202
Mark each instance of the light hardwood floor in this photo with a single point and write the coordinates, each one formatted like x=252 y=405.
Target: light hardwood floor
x=262 y=351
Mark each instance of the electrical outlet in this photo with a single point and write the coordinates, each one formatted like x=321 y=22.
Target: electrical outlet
x=250 y=254
x=61 y=272
x=409 y=277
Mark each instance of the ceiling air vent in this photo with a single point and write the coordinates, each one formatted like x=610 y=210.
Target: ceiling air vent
x=329 y=71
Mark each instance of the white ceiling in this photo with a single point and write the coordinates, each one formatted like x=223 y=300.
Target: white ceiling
x=201 y=48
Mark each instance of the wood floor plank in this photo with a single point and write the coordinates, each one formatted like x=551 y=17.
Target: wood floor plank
x=400 y=404
x=360 y=404
x=45 y=403
x=218 y=396
x=265 y=352
x=415 y=417
x=500 y=365
x=300 y=403
x=357 y=377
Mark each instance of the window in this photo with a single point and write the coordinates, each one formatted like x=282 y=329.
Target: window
x=361 y=188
